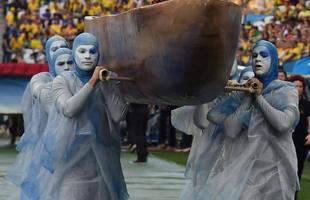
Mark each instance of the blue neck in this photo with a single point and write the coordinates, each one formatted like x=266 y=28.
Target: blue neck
x=83 y=75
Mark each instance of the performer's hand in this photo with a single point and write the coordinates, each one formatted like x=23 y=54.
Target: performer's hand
x=259 y=89
x=232 y=82
x=308 y=140
x=95 y=77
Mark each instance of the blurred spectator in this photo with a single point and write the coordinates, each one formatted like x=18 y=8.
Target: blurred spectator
x=137 y=117
x=301 y=134
x=15 y=125
x=6 y=48
x=282 y=74
x=166 y=130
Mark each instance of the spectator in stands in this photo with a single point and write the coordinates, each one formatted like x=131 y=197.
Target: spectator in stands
x=6 y=48
x=282 y=74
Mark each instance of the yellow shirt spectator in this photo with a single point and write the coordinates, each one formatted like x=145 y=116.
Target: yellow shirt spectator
x=16 y=42
x=108 y=3
x=33 y=5
x=35 y=28
x=55 y=28
x=96 y=8
x=80 y=25
x=36 y=43
x=10 y=18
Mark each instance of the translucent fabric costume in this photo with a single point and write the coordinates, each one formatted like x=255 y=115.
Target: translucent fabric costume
x=38 y=177
x=208 y=137
x=257 y=158
x=82 y=139
x=35 y=101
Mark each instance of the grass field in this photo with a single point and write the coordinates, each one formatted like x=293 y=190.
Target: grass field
x=180 y=158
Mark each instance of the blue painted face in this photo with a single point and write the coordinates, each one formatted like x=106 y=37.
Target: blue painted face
x=62 y=60
x=246 y=74
x=52 y=44
x=86 y=55
x=261 y=60
x=265 y=62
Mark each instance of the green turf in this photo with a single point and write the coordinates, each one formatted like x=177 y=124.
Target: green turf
x=181 y=158
x=7 y=150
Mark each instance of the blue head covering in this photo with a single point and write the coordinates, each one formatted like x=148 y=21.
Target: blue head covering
x=47 y=50
x=272 y=74
x=83 y=39
x=58 y=52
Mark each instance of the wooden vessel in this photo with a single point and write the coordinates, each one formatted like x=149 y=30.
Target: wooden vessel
x=180 y=52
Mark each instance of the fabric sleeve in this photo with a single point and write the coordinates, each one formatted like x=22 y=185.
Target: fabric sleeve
x=46 y=97
x=36 y=84
x=66 y=102
x=182 y=119
x=233 y=123
x=282 y=121
x=226 y=106
x=117 y=106
x=200 y=116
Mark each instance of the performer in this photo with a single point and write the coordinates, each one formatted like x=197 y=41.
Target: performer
x=258 y=160
x=84 y=139
x=37 y=176
x=208 y=137
x=35 y=118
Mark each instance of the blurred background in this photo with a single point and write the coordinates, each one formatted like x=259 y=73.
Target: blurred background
x=25 y=25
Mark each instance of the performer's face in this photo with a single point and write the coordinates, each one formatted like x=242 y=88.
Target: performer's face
x=261 y=60
x=300 y=88
x=56 y=45
x=63 y=63
x=86 y=57
x=246 y=76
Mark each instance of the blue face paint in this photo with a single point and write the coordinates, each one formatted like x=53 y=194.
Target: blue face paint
x=59 y=52
x=50 y=47
x=246 y=74
x=93 y=51
x=272 y=73
x=263 y=54
x=84 y=39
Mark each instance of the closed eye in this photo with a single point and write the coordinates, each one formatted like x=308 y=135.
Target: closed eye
x=82 y=50
x=60 y=63
x=54 y=49
x=264 y=54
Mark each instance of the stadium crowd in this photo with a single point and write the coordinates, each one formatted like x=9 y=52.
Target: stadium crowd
x=30 y=22
x=286 y=24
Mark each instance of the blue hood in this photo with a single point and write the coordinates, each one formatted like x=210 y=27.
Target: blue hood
x=47 y=50
x=272 y=74
x=83 y=39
